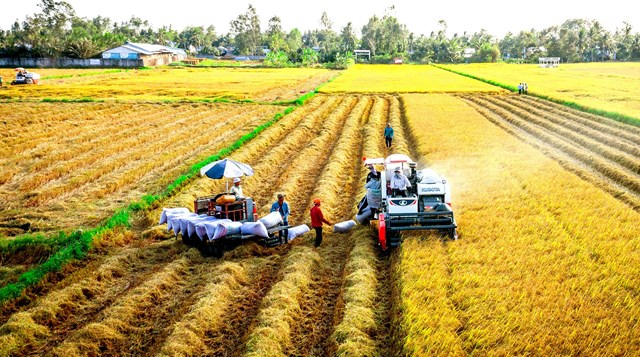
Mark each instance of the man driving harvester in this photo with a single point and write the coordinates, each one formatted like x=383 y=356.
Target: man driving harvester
x=399 y=183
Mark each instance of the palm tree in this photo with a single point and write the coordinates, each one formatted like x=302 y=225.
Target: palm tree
x=581 y=43
x=594 y=34
x=606 y=44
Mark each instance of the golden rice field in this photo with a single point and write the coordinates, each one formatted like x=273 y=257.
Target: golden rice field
x=8 y=74
x=546 y=260
x=546 y=199
x=403 y=79
x=613 y=87
x=169 y=84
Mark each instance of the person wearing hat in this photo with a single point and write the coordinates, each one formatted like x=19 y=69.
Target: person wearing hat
x=373 y=173
x=399 y=183
x=283 y=207
x=317 y=219
x=236 y=189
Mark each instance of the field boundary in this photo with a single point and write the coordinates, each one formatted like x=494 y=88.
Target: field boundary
x=76 y=245
x=623 y=118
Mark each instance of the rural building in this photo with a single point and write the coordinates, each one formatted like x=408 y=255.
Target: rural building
x=547 y=62
x=149 y=54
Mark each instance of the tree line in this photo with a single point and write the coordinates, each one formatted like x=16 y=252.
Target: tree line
x=56 y=31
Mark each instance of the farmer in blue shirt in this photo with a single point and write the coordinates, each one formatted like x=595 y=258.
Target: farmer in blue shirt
x=388 y=135
x=283 y=207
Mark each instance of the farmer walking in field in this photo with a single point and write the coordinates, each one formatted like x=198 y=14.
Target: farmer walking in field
x=388 y=135
x=317 y=219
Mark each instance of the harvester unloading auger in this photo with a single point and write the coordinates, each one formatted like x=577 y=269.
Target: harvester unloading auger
x=426 y=207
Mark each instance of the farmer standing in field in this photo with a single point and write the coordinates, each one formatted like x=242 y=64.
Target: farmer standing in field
x=317 y=219
x=283 y=208
x=388 y=135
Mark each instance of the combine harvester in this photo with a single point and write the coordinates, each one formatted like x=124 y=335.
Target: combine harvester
x=426 y=207
x=25 y=77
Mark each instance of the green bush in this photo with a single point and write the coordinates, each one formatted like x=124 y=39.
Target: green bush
x=277 y=59
x=343 y=61
x=309 y=57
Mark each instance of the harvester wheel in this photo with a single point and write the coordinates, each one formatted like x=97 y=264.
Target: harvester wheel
x=393 y=238
x=29 y=81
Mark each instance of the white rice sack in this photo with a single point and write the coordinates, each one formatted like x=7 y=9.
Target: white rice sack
x=163 y=216
x=221 y=231
x=208 y=228
x=343 y=227
x=272 y=219
x=173 y=221
x=184 y=222
x=201 y=230
x=191 y=224
x=297 y=231
x=232 y=227
x=256 y=228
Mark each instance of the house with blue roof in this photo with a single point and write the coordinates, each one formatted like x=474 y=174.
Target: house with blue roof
x=150 y=54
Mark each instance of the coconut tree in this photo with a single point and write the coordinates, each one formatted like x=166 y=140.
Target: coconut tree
x=594 y=34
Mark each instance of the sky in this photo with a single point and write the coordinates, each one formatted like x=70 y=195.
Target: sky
x=497 y=17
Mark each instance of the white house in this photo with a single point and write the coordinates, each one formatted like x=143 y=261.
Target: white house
x=151 y=55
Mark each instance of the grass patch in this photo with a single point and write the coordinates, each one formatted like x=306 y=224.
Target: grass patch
x=71 y=100
x=62 y=76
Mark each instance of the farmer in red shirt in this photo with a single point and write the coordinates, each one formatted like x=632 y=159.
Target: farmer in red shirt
x=317 y=219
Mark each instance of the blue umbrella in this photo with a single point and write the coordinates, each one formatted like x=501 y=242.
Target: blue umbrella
x=226 y=168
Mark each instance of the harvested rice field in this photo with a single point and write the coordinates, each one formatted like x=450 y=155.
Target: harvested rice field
x=610 y=87
x=546 y=199
x=169 y=84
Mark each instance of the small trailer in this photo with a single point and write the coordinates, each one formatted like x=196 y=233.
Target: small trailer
x=214 y=209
